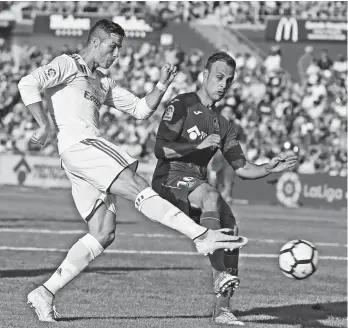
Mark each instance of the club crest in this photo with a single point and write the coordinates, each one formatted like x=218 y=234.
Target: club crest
x=216 y=125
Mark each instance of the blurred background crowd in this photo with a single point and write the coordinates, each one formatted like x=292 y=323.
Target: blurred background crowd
x=272 y=112
x=224 y=11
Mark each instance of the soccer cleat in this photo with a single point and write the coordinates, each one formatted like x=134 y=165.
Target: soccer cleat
x=43 y=307
x=212 y=240
x=225 y=284
x=224 y=316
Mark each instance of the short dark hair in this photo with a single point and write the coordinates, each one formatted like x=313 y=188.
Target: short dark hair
x=220 y=56
x=108 y=27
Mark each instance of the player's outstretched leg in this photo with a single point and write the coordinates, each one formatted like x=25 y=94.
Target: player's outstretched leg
x=133 y=187
x=101 y=234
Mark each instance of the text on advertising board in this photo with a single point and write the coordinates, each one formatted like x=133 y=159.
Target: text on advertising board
x=291 y=29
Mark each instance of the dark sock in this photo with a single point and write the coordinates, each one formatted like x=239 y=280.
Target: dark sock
x=211 y=220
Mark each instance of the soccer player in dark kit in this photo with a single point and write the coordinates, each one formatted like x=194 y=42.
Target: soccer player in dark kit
x=190 y=133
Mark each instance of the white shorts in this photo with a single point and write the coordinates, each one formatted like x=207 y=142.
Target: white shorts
x=92 y=165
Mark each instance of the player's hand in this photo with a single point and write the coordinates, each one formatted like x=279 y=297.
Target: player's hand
x=281 y=163
x=213 y=141
x=40 y=135
x=168 y=73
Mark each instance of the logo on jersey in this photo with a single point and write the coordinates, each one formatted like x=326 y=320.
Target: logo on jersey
x=49 y=73
x=188 y=182
x=168 y=114
x=216 y=125
x=197 y=112
x=194 y=133
x=92 y=98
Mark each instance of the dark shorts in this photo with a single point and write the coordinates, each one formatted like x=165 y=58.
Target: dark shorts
x=176 y=189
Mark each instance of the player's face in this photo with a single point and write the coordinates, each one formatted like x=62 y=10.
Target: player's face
x=109 y=50
x=217 y=81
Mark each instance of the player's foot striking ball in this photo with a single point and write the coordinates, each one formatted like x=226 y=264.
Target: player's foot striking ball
x=100 y=171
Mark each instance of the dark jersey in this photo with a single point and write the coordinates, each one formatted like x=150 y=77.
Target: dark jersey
x=187 y=120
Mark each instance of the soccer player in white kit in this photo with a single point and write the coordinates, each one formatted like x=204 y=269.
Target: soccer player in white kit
x=98 y=170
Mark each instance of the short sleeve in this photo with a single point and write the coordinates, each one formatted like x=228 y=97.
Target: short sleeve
x=232 y=149
x=172 y=121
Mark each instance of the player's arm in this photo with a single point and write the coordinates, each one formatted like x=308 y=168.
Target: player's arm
x=143 y=108
x=30 y=86
x=169 y=132
x=250 y=171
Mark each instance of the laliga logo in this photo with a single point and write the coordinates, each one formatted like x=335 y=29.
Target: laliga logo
x=289 y=189
x=287 y=25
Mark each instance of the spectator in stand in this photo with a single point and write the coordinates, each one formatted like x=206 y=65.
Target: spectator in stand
x=273 y=61
x=305 y=62
x=340 y=65
x=325 y=62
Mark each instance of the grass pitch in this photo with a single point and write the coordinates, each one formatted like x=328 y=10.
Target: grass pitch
x=151 y=277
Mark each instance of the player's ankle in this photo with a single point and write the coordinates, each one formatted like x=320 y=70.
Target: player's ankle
x=47 y=293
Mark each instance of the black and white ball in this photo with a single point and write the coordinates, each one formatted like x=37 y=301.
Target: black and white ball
x=298 y=259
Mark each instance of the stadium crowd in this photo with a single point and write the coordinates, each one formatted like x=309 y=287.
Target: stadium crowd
x=271 y=112
x=246 y=12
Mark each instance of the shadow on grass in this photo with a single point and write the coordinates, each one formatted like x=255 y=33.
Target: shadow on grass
x=100 y=270
x=137 y=318
x=305 y=315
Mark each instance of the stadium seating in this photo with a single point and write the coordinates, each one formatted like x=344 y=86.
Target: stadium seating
x=271 y=112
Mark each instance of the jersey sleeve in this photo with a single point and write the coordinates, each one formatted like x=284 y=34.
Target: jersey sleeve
x=172 y=121
x=121 y=99
x=232 y=150
x=58 y=71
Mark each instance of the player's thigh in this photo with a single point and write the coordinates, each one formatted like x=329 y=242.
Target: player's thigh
x=88 y=198
x=128 y=184
x=206 y=198
x=174 y=192
x=97 y=161
x=102 y=225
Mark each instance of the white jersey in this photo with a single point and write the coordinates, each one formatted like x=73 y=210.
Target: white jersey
x=75 y=95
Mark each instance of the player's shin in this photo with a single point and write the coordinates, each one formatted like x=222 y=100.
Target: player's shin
x=77 y=259
x=158 y=209
x=211 y=220
x=231 y=257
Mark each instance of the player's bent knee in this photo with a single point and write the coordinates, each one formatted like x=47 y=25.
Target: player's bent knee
x=105 y=238
x=140 y=182
x=128 y=184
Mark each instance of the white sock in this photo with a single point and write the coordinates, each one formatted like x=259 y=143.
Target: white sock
x=77 y=259
x=158 y=209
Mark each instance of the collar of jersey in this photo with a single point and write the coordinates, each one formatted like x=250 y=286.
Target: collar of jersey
x=89 y=72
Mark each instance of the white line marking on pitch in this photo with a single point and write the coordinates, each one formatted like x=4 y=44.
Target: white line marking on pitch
x=130 y=251
x=146 y=235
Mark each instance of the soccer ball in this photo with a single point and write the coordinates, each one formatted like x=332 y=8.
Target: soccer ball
x=298 y=259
